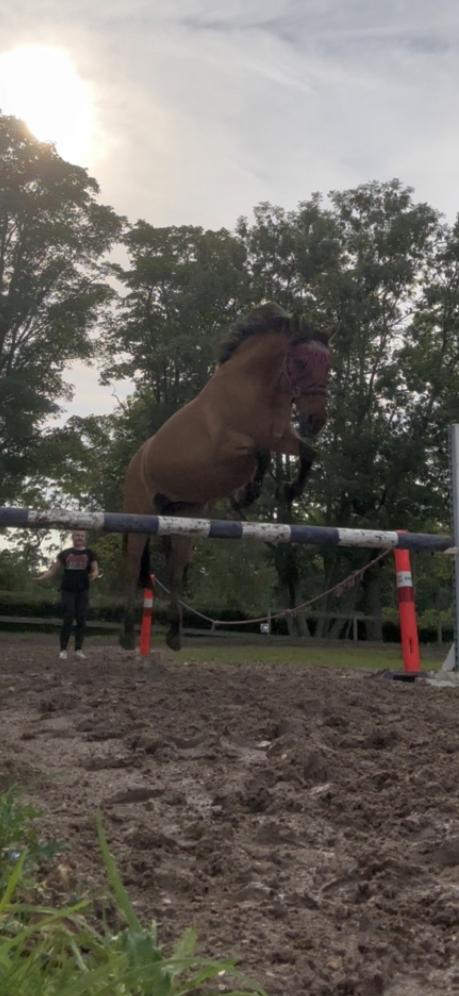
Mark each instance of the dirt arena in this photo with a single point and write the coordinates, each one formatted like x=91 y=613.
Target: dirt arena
x=306 y=821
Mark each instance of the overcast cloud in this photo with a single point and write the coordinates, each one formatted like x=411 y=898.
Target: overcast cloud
x=205 y=108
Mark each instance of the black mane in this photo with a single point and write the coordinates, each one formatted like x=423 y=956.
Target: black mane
x=265 y=318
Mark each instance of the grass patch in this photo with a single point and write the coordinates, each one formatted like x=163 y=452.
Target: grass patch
x=67 y=951
x=18 y=837
x=349 y=655
x=371 y=658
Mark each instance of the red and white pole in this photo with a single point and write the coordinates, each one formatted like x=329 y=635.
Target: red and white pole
x=147 y=619
x=407 y=610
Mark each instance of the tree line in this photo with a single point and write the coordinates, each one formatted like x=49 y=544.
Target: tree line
x=372 y=262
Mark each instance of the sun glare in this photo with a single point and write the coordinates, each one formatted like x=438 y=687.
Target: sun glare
x=40 y=85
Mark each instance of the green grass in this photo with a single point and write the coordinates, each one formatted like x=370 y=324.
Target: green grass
x=373 y=658
x=67 y=951
x=300 y=656
x=386 y=656
x=18 y=836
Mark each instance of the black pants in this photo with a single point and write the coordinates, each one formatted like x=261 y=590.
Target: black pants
x=74 y=606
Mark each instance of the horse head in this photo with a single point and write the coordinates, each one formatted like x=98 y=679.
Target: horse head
x=306 y=371
x=304 y=363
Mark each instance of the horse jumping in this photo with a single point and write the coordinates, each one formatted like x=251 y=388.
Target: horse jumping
x=220 y=443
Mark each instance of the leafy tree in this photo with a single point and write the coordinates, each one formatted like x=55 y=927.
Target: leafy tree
x=13 y=571
x=382 y=270
x=184 y=286
x=231 y=578
x=53 y=237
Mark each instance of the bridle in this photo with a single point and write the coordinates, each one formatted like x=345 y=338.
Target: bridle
x=305 y=367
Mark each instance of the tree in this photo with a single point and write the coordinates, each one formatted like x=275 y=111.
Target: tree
x=382 y=270
x=184 y=287
x=53 y=237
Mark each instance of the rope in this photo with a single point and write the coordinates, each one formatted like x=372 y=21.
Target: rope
x=342 y=586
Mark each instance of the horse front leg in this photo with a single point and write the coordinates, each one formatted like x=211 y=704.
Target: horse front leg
x=294 y=489
x=248 y=494
x=292 y=444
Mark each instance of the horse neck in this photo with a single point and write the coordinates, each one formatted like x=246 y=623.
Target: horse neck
x=259 y=360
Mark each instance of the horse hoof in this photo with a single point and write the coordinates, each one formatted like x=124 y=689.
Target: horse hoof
x=173 y=640
x=252 y=492
x=248 y=495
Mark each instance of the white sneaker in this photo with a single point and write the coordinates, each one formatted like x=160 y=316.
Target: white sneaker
x=63 y=655
x=81 y=655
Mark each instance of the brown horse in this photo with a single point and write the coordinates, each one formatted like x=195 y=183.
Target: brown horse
x=221 y=441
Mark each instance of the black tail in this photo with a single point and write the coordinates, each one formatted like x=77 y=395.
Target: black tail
x=144 y=573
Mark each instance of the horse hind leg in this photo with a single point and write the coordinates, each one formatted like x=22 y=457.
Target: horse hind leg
x=137 y=499
x=180 y=554
x=252 y=490
x=133 y=549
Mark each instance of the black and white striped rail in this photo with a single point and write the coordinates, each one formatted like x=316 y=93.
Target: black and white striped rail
x=166 y=525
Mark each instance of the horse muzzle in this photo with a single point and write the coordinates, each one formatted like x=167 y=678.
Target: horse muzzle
x=310 y=425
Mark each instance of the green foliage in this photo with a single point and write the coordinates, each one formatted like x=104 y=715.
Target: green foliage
x=232 y=577
x=19 y=839
x=53 y=235
x=13 y=572
x=381 y=270
x=184 y=286
x=433 y=579
x=63 y=952
x=373 y=264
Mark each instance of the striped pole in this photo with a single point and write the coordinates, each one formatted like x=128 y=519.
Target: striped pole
x=270 y=532
x=147 y=619
x=407 y=610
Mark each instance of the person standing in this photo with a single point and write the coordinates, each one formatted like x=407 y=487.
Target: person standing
x=79 y=566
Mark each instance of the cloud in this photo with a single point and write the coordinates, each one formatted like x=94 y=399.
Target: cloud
x=205 y=109
x=89 y=396
x=208 y=108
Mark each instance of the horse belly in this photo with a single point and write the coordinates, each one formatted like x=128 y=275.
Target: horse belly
x=201 y=481
x=229 y=477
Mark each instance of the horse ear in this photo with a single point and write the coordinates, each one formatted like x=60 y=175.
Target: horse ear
x=328 y=333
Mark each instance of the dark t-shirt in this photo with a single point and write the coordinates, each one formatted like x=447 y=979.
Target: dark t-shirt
x=76 y=564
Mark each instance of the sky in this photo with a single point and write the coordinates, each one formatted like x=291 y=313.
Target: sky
x=201 y=109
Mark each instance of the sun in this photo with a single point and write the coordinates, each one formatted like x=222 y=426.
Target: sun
x=40 y=85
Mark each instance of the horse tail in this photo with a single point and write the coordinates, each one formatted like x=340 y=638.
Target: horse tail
x=145 y=572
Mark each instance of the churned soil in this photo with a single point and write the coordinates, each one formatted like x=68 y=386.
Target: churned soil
x=305 y=820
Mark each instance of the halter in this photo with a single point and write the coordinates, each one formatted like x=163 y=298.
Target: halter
x=305 y=368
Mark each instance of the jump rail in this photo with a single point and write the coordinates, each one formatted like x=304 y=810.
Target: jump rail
x=166 y=525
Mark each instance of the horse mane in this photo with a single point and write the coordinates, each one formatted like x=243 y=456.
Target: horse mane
x=268 y=318
x=265 y=318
